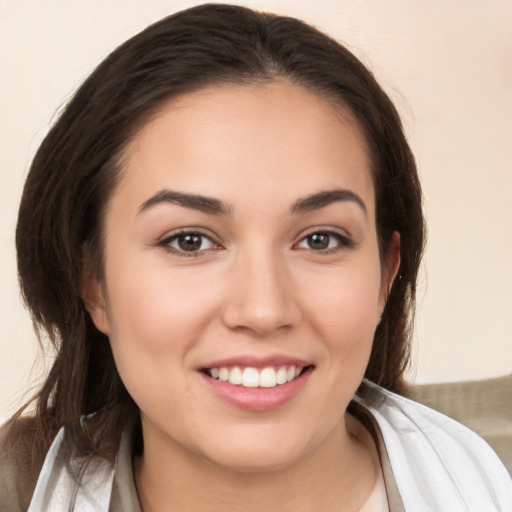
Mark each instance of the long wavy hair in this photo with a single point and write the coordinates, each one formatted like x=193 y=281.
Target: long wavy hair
x=59 y=234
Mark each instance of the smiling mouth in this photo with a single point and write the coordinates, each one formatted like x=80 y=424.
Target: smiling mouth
x=250 y=377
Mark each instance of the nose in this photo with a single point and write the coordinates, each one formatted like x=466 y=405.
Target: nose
x=261 y=297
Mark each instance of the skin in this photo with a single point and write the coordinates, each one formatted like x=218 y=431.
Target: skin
x=256 y=286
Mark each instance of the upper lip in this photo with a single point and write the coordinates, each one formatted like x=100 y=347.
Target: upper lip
x=247 y=360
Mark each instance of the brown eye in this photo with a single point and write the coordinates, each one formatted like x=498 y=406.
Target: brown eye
x=324 y=241
x=319 y=241
x=188 y=243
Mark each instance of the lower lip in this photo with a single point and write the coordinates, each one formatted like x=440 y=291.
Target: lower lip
x=258 y=399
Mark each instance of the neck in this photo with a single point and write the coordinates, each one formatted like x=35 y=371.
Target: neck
x=338 y=474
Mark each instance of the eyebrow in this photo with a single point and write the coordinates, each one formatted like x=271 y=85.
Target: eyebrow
x=325 y=198
x=213 y=206
x=204 y=204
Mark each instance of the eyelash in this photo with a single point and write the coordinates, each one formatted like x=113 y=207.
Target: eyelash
x=167 y=241
x=343 y=243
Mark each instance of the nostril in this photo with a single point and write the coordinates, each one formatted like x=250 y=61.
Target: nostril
x=261 y=319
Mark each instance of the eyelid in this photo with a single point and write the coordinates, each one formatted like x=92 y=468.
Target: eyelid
x=345 y=240
x=166 y=240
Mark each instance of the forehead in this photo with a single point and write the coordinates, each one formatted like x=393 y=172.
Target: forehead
x=252 y=141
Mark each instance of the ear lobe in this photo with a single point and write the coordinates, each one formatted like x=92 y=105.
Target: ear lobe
x=390 y=268
x=93 y=296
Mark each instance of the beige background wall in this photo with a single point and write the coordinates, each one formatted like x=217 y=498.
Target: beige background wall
x=447 y=65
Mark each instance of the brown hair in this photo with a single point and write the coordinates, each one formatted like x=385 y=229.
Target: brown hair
x=59 y=231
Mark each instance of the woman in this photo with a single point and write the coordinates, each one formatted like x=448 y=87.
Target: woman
x=221 y=235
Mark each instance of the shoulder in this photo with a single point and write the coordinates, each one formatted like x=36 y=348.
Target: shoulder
x=434 y=459
x=17 y=476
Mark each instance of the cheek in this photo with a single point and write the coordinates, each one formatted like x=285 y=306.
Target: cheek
x=156 y=318
x=154 y=306
x=344 y=306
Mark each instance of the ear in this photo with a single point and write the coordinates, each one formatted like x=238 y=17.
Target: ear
x=93 y=295
x=390 y=269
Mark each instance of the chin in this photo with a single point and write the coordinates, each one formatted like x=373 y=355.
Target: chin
x=256 y=461
x=246 y=454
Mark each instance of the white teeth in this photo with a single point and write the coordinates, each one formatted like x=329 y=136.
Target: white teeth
x=282 y=375
x=268 y=378
x=250 y=377
x=235 y=376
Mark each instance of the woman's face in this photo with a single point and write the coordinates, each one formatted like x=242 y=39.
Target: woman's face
x=241 y=245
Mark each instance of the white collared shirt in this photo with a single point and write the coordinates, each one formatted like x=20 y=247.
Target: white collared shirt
x=430 y=463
